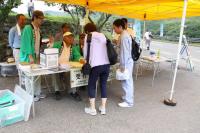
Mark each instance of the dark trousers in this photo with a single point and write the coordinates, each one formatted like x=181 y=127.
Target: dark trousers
x=30 y=11
x=101 y=73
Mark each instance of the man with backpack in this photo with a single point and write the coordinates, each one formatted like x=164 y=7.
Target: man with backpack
x=130 y=31
x=126 y=63
x=136 y=50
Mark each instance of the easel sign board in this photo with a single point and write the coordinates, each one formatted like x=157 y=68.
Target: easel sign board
x=77 y=79
x=185 y=54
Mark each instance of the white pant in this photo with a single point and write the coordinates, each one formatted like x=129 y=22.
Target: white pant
x=128 y=85
x=16 y=56
x=16 y=53
x=148 y=42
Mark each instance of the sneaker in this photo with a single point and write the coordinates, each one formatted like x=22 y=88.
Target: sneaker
x=102 y=110
x=125 y=105
x=36 y=99
x=58 y=95
x=42 y=96
x=90 y=111
x=75 y=96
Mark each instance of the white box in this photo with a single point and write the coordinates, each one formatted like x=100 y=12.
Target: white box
x=49 y=58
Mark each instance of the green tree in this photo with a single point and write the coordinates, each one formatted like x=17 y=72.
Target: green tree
x=78 y=12
x=5 y=8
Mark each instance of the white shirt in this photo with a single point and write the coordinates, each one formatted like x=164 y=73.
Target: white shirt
x=64 y=57
x=98 y=50
x=30 y=4
x=37 y=40
x=18 y=29
x=125 y=49
x=146 y=35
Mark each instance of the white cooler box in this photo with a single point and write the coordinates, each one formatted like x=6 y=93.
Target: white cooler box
x=13 y=113
x=19 y=111
x=49 y=59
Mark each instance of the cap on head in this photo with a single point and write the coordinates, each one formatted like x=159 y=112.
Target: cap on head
x=67 y=34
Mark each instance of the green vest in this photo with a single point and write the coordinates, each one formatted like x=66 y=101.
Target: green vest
x=75 y=51
x=27 y=44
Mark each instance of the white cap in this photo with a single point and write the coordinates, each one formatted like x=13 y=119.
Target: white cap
x=67 y=34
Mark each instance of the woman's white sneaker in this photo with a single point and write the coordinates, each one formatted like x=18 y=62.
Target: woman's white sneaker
x=125 y=105
x=90 y=111
x=102 y=110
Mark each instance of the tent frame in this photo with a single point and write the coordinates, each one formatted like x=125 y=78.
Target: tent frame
x=171 y=101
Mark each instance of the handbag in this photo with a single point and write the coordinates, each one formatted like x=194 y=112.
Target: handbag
x=122 y=75
x=112 y=54
x=86 y=69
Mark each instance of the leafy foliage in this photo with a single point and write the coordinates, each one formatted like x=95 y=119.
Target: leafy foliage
x=5 y=9
x=77 y=13
x=172 y=28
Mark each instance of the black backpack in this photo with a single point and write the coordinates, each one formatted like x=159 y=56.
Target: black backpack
x=112 y=54
x=136 y=50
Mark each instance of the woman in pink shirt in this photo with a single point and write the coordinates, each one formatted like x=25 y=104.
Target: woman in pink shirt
x=100 y=64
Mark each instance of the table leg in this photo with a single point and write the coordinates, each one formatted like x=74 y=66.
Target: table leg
x=137 y=69
x=32 y=93
x=20 y=77
x=155 y=69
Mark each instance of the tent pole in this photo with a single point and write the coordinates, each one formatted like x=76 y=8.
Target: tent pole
x=144 y=30
x=87 y=12
x=85 y=20
x=170 y=100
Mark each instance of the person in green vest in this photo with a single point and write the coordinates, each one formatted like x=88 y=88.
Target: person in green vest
x=64 y=28
x=68 y=52
x=30 y=49
x=81 y=42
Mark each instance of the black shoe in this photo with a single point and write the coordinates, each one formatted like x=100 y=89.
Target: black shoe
x=58 y=95
x=76 y=96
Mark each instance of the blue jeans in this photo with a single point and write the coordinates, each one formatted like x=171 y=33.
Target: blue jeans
x=30 y=11
x=101 y=72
